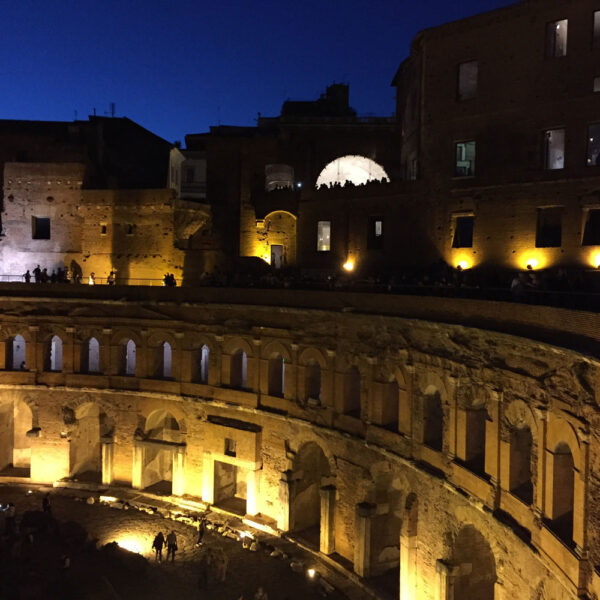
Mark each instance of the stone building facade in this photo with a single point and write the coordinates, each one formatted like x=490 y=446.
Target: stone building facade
x=465 y=458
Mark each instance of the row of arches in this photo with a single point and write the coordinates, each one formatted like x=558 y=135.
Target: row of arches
x=16 y=357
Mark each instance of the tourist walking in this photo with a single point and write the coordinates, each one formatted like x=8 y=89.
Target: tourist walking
x=111 y=278
x=171 y=546
x=46 y=505
x=92 y=279
x=27 y=276
x=157 y=545
x=201 y=531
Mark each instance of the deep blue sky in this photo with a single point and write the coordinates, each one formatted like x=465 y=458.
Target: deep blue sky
x=180 y=66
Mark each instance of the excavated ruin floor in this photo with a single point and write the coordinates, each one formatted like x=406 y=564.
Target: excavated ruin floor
x=34 y=567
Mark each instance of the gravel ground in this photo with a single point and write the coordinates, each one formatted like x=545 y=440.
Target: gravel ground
x=35 y=570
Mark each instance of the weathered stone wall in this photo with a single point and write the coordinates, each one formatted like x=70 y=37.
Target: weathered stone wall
x=375 y=477
x=128 y=231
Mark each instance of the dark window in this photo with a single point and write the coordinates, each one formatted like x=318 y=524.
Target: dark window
x=189 y=174
x=556 y=38
x=596 y=34
x=554 y=149
x=467 y=80
x=465 y=159
x=463 y=232
x=130 y=229
x=549 y=227
x=230 y=447
x=375 y=234
x=40 y=228
x=593 y=145
x=103 y=229
x=591 y=232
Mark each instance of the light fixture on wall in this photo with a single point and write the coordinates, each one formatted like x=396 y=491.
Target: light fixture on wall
x=532 y=263
x=349 y=264
x=463 y=264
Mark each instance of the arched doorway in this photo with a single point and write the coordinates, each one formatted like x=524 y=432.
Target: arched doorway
x=15 y=353
x=85 y=451
x=15 y=446
x=473 y=556
x=162 y=437
x=310 y=468
x=353 y=169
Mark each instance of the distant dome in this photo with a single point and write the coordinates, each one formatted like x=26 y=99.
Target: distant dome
x=357 y=169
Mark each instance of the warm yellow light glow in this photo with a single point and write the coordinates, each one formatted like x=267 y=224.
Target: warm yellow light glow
x=595 y=260
x=311 y=573
x=532 y=260
x=463 y=264
x=131 y=543
x=349 y=265
x=108 y=499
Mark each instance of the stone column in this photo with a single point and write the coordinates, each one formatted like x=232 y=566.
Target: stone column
x=447 y=575
x=327 y=537
x=252 y=492
x=285 y=496
x=137 y=468
x=408 y=567
x=108 y=452
x=68 y=355
x=178 y=484
x=208 y=478
x=362 y=550
x=107 y=365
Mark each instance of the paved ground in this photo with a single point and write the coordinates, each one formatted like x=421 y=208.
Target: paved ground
x=31 y=571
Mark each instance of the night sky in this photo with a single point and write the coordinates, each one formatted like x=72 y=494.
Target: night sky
x=178 y=67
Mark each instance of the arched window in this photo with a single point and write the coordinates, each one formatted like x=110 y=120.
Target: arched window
x=53 y=360
x=201 y=367
x=476 y=572
x=433 y=420
x=15 y=353
x=476 y=419
x=521 y=483
x=390 y=405
x=352 y=392
x=276 y=376
x=238 y=375
x=127 y=358
x=164 y=359
x=313 y=381
x=90 y=356
x=563 y=484
x=353 y=169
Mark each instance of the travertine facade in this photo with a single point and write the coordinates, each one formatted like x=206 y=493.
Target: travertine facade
x=466 y=456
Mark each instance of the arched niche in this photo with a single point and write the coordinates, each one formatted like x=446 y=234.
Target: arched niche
x=352 y=168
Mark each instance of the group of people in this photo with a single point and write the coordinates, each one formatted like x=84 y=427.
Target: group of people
x=169 y=280
x=60 y=275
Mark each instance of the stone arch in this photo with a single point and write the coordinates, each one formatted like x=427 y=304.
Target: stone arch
x=163 y=360
x=562 y=500
x=521 y=433
x=433 y=418
x=238 y=369
x=90 y=355
x=276 y=348
x=474 y=560
x=16 y=420
x=201 y=364
x=236 y=343
x=312 y=355
x=85 y=450
x=313 y=363
x=163 y=434
x=309 y=469
x=16 y=353
x=279 y=228
x=124 y=334
x=355 y=169
x=127 y=358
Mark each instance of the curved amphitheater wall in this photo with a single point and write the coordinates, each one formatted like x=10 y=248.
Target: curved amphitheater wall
x=376 y=486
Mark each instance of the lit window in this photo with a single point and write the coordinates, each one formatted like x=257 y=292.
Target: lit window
x=465 y=159
x=596 y=34
x=375 y=233
x=596 y=86
x=40 y=228
x=324 y=236
x=467 y=80
x=463 y=232
x=556 y=38
x=591 y=231
x=554 y=149
x=549 y=227
x=593 y=145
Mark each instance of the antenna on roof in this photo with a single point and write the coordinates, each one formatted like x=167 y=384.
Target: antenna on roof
x=112 y=109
